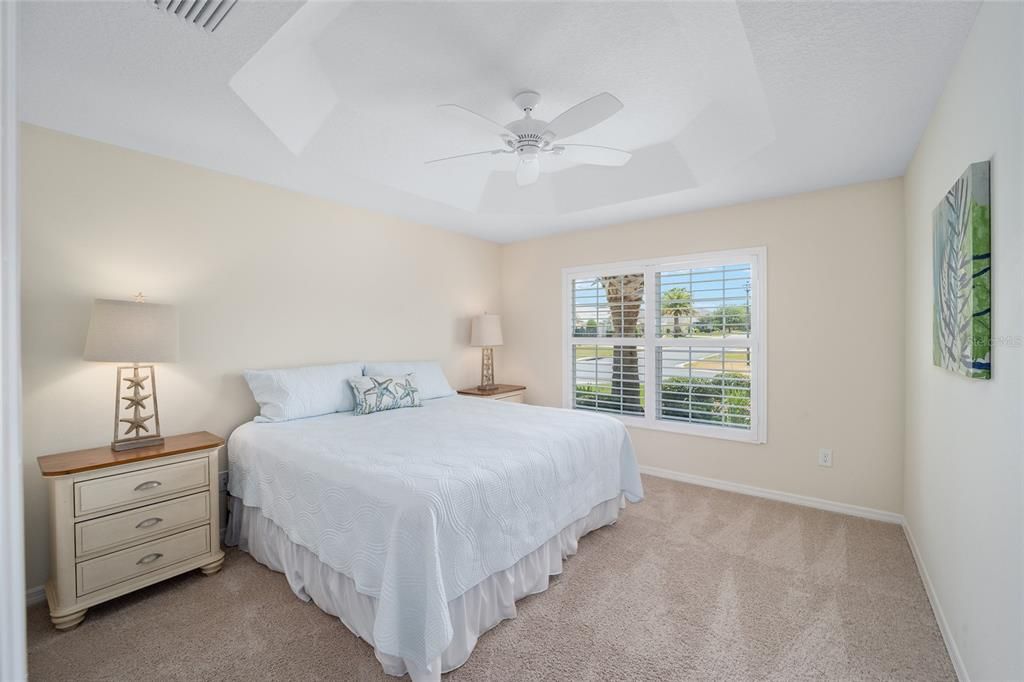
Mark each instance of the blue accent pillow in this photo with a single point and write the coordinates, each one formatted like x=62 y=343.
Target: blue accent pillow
x=379 y=393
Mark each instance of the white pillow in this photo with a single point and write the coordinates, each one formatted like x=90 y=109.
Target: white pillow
x=429 y=376
x=299 y=392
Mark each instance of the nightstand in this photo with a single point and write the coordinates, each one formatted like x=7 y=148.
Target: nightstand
x=506 y=392
x=120 y=521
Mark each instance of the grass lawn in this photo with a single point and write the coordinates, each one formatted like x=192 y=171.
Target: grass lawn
x=735 y=361
x=587 y=352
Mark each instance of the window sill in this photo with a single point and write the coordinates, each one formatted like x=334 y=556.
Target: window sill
x=718 y=433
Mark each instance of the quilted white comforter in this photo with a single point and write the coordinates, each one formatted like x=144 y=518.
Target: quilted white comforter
x=418 y=505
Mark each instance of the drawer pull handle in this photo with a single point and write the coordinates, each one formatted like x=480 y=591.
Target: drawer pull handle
x=149 y=558
x=148 y=485
x=149 y=523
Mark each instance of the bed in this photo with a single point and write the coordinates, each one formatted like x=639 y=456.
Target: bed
x=419 y=528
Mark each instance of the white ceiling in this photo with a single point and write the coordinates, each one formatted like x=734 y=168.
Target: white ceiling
x=724 y=102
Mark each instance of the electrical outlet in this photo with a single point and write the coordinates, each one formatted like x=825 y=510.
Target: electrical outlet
x=825 y=457
x=222 y=481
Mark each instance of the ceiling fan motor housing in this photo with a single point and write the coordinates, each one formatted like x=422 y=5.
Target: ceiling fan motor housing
x=529 y=143
x=529 y=135
x=530 y=140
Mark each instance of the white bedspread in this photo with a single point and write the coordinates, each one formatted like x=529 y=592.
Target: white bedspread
x=418 y=505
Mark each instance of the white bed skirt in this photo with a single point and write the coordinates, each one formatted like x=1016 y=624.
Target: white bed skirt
x=472 y=614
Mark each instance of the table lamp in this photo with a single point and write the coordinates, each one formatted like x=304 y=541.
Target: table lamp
x=133 y=332
x=486 y=333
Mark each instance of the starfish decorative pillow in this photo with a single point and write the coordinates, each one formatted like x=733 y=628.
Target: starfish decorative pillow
x=379 y=393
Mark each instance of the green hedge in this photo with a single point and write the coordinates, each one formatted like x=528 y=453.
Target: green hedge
x=601 y=398
x=723 y=398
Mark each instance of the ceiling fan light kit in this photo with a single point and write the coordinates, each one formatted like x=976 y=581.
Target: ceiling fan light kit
x=530 y=138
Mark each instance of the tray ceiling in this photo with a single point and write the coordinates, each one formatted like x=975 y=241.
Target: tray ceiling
x=724 y=102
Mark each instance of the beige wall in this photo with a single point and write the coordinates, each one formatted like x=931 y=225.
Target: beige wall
x=263 y=277
x=964 y=443
x=835 y=336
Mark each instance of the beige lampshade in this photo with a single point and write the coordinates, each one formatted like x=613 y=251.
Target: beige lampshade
x=486 y=330
x=126 y=331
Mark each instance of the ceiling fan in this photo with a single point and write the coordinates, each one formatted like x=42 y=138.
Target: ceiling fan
x=529 y=137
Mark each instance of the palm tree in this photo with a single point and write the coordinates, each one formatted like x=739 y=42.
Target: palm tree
x=625 y=294
x=677 y=303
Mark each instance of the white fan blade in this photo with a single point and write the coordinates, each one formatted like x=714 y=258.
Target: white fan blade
x=586 y=114
x=462 y=156
x=528 y=171
x=475 y=119
x=589 y=153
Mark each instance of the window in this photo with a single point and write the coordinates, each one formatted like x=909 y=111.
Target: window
x=674 y=344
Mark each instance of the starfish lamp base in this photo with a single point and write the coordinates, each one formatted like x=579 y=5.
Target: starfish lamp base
x=136 y=417
x=487 y=370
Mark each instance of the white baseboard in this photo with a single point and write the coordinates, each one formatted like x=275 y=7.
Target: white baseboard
x=802 y=500
x=940 y=617
x=35 y=595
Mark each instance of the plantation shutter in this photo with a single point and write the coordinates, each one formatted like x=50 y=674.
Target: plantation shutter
x=704 y=345
x=609 y=376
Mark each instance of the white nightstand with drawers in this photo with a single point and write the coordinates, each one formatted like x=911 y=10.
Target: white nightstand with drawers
x=120 y=521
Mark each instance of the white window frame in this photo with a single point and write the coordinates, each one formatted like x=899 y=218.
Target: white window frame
x=756 y=257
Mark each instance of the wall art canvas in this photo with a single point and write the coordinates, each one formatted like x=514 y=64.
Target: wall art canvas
x=962 y=273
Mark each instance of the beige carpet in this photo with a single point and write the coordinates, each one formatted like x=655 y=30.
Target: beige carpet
x=691 y=584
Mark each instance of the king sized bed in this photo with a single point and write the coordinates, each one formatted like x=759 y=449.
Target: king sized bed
x=420 y=528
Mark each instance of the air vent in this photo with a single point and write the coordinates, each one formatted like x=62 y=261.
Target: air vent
x=206 y=14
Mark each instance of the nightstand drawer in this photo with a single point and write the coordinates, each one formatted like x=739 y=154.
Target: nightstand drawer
x=139 y=524
x=120 y=490
x=514 y=398
x=111 y=569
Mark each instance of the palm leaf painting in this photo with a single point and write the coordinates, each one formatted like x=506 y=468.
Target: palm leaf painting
x=962 y=274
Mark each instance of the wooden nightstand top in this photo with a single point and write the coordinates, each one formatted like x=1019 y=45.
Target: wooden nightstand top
x=78 y=461
x=501 y=388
